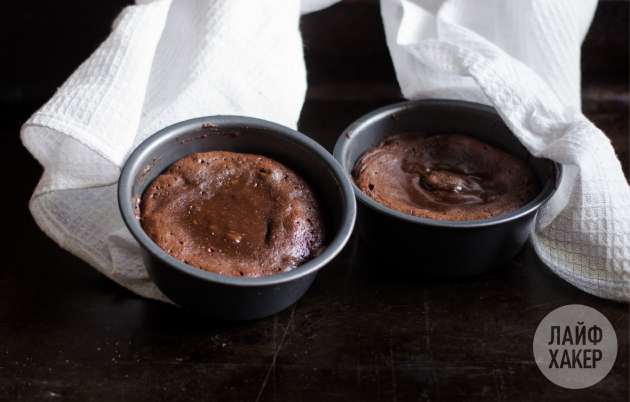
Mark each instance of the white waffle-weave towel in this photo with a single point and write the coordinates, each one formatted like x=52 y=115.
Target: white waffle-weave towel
x=170 y=60
x=523 y=58
x=165 y=61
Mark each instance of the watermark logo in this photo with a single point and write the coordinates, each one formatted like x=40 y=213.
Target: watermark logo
x=575 y=346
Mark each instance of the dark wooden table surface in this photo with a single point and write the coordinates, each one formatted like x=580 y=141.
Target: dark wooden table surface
x=361 y=332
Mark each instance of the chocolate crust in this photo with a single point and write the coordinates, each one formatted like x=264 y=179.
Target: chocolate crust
x=233 y=214
x=448 y=177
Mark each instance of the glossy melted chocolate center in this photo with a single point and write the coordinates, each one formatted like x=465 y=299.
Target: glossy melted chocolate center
x=233 y=214
x=445 y=177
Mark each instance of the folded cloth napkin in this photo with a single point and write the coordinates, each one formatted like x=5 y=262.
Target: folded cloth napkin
x=170 y=60
x=523 y=58
x=165 y=61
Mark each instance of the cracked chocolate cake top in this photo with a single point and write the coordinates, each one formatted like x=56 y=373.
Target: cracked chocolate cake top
x=233 y=214
x=448 y=177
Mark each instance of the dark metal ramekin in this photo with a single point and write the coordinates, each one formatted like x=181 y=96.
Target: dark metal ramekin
x=221 y=296
x=432 y=247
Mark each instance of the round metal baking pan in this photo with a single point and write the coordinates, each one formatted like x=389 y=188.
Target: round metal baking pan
x=222 y=296
x=432 y=247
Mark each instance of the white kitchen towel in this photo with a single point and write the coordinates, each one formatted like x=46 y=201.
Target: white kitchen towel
x=165 y=61
x=523 y=58
x=170 y=60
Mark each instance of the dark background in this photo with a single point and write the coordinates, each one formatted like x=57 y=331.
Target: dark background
x=361 y=332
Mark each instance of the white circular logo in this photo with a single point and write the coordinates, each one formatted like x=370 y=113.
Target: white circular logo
x=575 y=346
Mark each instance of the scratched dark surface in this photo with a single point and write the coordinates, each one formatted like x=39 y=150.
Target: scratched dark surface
x=361 y=332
